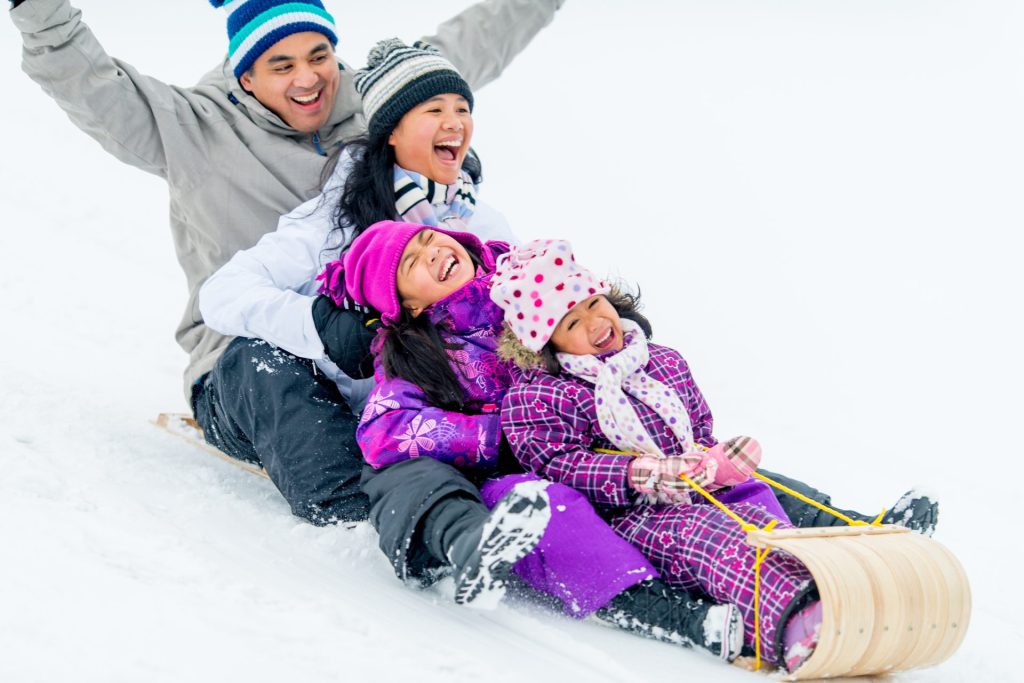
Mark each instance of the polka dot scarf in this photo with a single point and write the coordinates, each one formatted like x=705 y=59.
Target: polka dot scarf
x=625 y=371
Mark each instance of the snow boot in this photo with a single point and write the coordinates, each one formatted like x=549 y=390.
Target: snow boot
x=483 y=560
x=656 y=610
x=916 y=511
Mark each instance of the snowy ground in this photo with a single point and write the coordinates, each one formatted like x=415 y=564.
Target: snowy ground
x=820 y=199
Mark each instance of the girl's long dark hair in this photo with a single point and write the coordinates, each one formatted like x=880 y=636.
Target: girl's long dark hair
x=413 y=350
x=368 y=195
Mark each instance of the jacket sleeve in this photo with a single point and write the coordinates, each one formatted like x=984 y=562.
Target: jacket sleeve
x=268 y=290
x=398 y=423
x=550 y=436
x=108 y=99
x=483 y=40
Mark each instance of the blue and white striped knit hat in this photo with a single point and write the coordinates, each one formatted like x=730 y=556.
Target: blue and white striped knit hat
x=398 y=77
x=255 y=25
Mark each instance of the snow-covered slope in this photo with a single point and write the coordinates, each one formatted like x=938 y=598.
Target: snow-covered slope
x=820 y=201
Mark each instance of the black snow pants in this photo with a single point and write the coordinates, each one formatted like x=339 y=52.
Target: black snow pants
x=417 y=507
x=265 y=406
x=804 y=515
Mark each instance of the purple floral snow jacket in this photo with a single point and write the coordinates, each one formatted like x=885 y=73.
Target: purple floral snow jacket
x=551 y=424
x=399 y=423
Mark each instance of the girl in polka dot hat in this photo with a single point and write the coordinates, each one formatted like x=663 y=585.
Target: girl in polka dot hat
x=587 y=382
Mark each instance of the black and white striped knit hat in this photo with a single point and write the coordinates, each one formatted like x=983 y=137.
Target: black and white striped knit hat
x=398 y=77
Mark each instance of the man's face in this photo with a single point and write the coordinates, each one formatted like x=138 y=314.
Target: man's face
x=297 y=79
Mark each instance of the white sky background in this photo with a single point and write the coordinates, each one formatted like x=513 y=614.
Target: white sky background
x=821 y=202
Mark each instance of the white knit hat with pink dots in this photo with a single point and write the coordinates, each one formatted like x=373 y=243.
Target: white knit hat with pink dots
x=537 y=284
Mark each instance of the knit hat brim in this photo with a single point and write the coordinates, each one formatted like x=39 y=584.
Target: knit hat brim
x=419 y=90
x=371 y=263
x=254 y=26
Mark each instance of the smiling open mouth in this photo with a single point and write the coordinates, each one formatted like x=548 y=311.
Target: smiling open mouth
x=308 y=100
x=448 y=268
x=605 y=340
x=448 y=150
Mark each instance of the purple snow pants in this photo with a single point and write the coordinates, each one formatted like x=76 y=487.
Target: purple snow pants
x=699 y=548
x=756 y=493
x=579 y=560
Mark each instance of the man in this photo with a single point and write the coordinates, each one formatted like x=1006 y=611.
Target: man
x=244 y=146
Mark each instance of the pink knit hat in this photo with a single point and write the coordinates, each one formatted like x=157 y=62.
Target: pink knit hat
x=537 y=284
x=368 y=271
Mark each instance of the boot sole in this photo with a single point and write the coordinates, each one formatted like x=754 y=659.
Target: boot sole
x=516 y=525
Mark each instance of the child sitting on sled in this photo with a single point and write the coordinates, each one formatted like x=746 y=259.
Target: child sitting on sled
x=597 y=407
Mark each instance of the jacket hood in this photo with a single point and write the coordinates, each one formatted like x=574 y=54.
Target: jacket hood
x=346 y=103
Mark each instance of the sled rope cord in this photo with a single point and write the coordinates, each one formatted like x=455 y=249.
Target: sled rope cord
x=938 y=592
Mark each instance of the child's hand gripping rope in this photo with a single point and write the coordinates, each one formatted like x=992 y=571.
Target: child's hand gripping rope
x=726 y=464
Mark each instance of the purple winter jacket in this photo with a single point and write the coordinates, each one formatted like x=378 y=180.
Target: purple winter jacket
x=399 y=422
x=551 y=424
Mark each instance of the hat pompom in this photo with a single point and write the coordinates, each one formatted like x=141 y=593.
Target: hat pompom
x=380 y=51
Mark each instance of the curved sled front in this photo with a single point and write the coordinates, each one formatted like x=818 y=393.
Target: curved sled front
x=891 y=600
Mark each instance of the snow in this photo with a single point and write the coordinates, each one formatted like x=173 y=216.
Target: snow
x=819 y=199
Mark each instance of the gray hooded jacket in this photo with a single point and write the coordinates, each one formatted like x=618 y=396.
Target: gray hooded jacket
x=233 y=167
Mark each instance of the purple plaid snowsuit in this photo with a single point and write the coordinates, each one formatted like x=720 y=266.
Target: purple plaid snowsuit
x=551 y=423
x=579 y=559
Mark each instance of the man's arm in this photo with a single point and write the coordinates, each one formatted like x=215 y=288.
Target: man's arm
x=484 y=39
x=106 y=98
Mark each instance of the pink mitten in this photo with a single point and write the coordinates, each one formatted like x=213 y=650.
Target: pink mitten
x=736 y=459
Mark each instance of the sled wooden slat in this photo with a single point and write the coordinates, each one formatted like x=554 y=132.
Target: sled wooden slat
x=891 y=600
x=184 y=427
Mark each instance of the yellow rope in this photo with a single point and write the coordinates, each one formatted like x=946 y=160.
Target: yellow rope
x=759 y=553
x=757 y=475
x=746 y=526
x=810 y=501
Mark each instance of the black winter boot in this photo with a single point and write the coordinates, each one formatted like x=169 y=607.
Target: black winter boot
x=916 y=511
x=483 y=558
x=656 y=610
